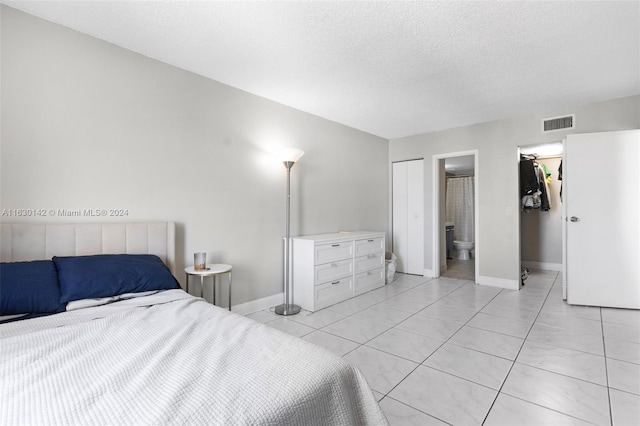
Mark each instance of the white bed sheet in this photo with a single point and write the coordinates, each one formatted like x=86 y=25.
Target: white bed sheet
x=170 y=358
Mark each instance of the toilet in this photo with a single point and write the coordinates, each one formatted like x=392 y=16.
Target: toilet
x=463 y=248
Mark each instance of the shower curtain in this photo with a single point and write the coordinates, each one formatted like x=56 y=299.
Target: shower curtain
x=459 y=207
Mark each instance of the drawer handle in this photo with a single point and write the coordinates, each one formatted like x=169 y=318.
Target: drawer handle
x=371 y=256
x=335 y=245
x=370 y=241
x=333 y=265
x=335 y=282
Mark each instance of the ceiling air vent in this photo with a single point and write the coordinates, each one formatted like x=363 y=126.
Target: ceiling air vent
x=558 y=123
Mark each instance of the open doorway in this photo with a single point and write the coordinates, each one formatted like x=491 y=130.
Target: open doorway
x=541 y=225
x=456 y=219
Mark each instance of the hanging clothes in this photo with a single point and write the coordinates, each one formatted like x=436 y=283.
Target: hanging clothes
x=534 y=185
x=560 y=179
x=547 y=173
x=528 y=178
x=545 y=202
x=532 y=201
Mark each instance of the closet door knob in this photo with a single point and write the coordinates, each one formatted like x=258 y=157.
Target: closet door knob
x=575 y=219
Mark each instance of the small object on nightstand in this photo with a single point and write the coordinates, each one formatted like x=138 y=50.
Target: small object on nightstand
x=200 y=261
x=211 y=270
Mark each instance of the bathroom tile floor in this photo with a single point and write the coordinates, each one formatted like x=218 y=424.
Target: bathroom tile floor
x=460 y=269
x=446 y=351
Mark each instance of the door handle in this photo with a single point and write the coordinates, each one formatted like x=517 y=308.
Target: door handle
x=574 y=219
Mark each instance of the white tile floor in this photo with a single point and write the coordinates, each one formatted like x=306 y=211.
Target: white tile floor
x=445 y=351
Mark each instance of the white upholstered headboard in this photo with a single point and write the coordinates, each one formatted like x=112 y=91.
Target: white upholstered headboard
x=29 y=241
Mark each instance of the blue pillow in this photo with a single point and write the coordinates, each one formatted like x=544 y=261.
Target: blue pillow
x=29 y=288
x=106 y=275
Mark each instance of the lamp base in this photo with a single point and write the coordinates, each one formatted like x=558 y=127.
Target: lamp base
x=285 y=309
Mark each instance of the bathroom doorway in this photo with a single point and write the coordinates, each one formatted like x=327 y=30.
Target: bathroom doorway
x=456 y=216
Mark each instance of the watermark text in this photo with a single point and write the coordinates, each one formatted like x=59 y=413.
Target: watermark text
x=64 y=212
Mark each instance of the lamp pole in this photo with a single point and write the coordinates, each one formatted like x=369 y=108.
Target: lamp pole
x=287 y=308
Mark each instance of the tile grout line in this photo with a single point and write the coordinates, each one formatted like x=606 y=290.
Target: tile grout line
x=419 y=363
x=519 y=350
x=461 y=288
x=542 y=406
x=357 y=312
x=443 y=343
x=547 y=408
x=563 y=374
x=606 y=368
x=393 y=326
x=526 y=338
x=414 y=408
x=271 y=310
x=416 y=334
x=542 y=369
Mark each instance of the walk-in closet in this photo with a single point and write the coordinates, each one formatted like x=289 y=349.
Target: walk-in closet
x=540 y=206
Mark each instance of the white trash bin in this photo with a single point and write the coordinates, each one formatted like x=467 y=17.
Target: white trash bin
x=390 y=266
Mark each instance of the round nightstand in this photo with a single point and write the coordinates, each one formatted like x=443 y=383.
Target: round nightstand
x=212 y=271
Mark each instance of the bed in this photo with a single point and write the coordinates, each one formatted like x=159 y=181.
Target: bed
x=154 y=356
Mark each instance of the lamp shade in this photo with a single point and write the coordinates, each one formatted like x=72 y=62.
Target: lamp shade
x=290 y=154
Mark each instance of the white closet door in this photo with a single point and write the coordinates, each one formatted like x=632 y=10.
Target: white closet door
x=415 y=217
x=400 y=225
x=408 y=216
x=601 y=193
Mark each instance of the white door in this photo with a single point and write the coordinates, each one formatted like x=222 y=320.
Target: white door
x=408 y=216
x=601 y=192
x=415 y=217
x=400 y=226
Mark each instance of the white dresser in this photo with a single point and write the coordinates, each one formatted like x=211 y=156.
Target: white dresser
x=329 y=268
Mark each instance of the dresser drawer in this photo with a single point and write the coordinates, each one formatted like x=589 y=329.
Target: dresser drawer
x=369 y=246
x=330 y=252
x=369 y=280
x=370 y=261
x=333 y=270
x=333 y=292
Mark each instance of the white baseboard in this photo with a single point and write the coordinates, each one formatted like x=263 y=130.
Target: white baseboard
x=499 y=282
x=542 y=265
x=428 y=273
x=258 y=304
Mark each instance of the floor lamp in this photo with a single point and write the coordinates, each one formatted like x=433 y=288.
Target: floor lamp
x=289 y=158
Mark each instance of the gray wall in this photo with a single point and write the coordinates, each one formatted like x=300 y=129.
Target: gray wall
x=89 y=125
x=497 y=174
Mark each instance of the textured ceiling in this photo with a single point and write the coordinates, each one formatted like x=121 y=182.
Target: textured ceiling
x=389 y=68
